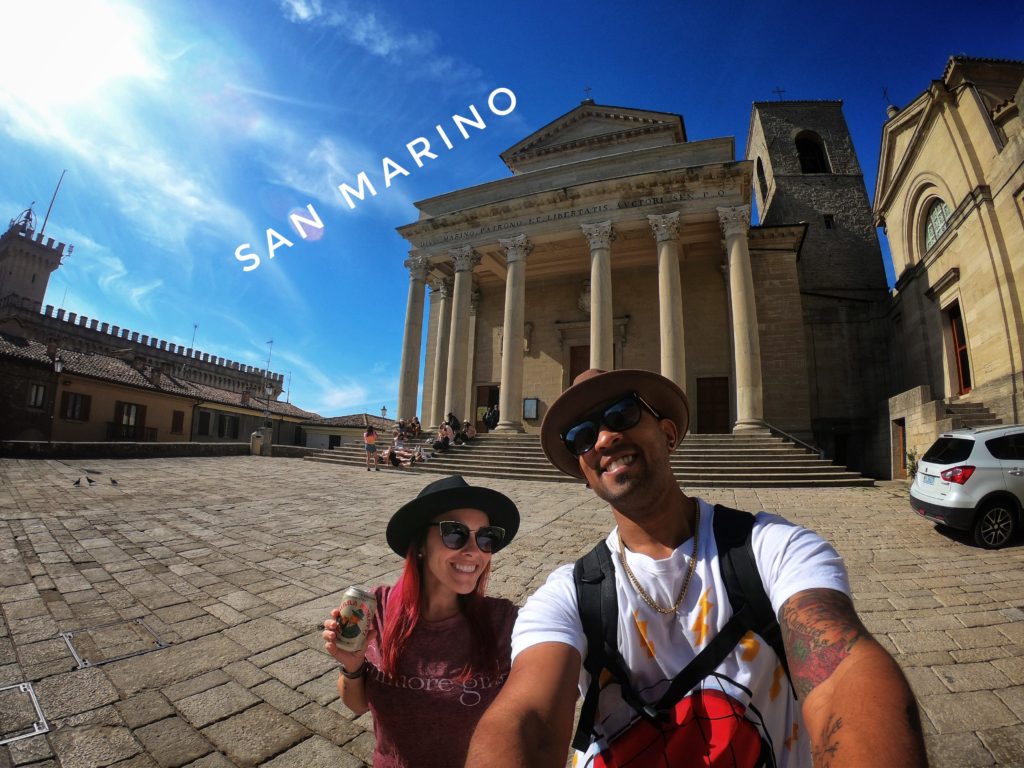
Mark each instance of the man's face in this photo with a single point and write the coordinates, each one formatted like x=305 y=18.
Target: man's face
x=630 y=466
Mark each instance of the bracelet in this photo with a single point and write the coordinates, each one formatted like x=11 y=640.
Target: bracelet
x=356 y=674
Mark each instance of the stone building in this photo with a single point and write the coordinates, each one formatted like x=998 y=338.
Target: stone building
x=115 y=383
x=27 y=259
x=806 y=170
x=54 y=394
x=950 y=194
x=618 y=243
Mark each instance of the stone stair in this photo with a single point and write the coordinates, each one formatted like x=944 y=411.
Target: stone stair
x=732 y=461
x=961 y=414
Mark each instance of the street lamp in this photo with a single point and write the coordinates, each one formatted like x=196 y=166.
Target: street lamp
x=268 y=390
x=58 y=366
x=383 y=411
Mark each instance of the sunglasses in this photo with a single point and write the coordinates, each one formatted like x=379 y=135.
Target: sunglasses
x=621 y=415
x=455 y=535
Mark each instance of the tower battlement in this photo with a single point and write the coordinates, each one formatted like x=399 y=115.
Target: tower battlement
x=26 y=233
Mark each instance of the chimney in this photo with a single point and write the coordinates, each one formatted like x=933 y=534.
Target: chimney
x=245 y=397
x=156 y=375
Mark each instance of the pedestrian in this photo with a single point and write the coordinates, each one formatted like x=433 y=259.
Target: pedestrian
x=370 y=444
x=697 y=635
x=438 y=649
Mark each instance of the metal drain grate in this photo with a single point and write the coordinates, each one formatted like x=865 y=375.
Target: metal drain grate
x=105 y=643
x=20 y=714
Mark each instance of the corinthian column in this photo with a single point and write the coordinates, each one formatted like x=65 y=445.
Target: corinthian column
x=464 y=259
x=670 y=297
x=602 y=342
x=408 y=384
x=444 y=324
x=510 y=403
x=746 y=343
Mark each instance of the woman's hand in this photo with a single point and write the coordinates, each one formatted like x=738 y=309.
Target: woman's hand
x=350 y=660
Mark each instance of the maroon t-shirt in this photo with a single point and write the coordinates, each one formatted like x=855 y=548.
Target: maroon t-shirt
x=423 y=717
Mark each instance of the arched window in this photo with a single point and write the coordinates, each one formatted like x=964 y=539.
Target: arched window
x=811 y=151
x=762 y=182
x=936 y=222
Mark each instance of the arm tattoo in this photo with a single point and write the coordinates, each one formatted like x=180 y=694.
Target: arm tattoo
x=823 y=753
x=819 y=629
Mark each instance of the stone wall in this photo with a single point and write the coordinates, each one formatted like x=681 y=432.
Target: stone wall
x=24 y=449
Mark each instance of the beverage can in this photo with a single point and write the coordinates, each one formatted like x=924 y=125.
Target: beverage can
x=357 y=609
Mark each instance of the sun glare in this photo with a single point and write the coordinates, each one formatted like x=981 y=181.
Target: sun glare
x=79 y=50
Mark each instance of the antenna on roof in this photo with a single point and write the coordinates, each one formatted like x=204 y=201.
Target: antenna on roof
x=778 y=92
x=587 y=100
x=47 y=218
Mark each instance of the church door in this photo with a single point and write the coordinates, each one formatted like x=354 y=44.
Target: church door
x=713 y=405
x=579 y=361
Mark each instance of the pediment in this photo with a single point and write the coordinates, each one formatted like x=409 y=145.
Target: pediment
x=590 y=129
x=901 y=136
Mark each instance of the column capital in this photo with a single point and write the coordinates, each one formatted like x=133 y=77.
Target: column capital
x=599 y=235
x=464 y=258
x=442 y=286
x=418 y=265
x=665 y=226
x=516 y=248
x=734 y=221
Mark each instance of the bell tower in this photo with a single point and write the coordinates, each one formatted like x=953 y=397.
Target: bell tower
x=806 y=172
x=27 y=259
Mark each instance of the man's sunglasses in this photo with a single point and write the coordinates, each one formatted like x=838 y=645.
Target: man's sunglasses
x=455 y=535
x=621 y=415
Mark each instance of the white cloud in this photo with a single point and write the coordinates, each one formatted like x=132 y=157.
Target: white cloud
x=382 y=38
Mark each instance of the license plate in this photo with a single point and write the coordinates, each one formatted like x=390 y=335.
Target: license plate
x=927 y=480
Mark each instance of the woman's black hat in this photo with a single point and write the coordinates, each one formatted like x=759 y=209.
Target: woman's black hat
x=409 y=522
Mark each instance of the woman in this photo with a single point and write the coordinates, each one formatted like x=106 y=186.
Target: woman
x=370 y=444
x=438 y=649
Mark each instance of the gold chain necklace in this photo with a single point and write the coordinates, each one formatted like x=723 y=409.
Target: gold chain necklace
x=686 y=582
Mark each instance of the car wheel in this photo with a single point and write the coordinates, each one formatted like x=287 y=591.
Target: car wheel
x=993 y=527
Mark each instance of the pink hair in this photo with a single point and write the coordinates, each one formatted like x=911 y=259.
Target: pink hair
x=402 y=613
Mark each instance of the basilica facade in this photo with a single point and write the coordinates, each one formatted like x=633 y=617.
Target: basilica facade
x=617 y=242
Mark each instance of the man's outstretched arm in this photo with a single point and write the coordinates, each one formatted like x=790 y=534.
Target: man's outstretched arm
x=857 y=705
x=530 y=722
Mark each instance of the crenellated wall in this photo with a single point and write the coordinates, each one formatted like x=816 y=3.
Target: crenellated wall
x=86 y=334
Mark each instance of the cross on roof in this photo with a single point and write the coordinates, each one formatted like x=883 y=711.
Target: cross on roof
x=587 y=91
x=778 y=92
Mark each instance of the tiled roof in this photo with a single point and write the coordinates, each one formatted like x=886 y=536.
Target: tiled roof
x=215 y=395
x=116 y=370
x=360 y=420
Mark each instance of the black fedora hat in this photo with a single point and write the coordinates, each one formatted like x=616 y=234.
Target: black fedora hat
x=408 y=523
x=595 y=388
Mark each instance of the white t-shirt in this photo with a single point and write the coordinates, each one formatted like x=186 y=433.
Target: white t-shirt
x=746 y=707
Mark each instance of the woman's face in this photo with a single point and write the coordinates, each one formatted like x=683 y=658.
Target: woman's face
x=457 y=570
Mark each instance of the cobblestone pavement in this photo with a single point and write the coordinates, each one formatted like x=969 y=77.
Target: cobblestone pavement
x=233 y=562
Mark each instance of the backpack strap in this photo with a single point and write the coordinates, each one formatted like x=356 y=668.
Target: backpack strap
x=594 y=576
x=733 y=529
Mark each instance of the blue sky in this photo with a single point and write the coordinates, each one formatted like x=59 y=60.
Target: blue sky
x=189 y=128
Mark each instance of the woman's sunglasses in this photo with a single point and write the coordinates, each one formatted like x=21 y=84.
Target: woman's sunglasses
x=455 y=535
x=621 y=415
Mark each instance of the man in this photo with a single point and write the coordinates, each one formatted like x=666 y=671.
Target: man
x=617 y=431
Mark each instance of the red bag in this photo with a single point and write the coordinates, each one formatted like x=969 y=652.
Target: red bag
x=706 y=728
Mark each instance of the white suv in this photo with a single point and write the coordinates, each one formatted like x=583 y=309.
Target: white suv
x=973 y=479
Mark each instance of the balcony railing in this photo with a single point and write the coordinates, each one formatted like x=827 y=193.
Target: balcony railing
x=131 y=432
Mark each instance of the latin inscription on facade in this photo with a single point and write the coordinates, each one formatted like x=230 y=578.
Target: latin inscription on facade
x=573 y=213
